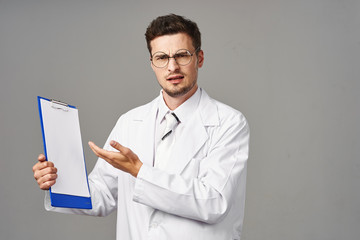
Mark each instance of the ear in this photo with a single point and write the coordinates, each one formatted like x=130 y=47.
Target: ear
x=200 y=58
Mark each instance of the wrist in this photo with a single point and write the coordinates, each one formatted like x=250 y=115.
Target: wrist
x=137 y=167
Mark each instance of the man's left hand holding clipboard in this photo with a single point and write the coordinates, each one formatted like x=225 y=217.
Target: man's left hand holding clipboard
x=45 y=173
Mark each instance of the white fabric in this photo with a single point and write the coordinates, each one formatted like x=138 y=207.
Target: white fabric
x=200 y=194
x=164 y=149
x=183 y=112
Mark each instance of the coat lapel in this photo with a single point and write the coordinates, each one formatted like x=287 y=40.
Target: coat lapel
x=144 y=127
x=194 y=134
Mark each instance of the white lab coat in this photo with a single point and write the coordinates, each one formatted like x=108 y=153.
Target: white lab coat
x=200 y=195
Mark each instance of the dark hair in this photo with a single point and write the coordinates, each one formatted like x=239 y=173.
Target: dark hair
x=172 y=24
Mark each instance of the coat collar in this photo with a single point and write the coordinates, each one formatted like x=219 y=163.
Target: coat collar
x=207 y=110
x=189 y=143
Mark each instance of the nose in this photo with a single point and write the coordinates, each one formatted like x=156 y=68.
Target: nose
x=172 y=65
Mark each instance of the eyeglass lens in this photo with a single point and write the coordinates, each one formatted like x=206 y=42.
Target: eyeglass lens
x=182 y=57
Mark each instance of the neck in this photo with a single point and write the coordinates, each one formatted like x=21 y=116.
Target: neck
x=174 y=102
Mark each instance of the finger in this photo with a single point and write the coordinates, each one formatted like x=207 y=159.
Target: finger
x=47 y=185
x=41 y=158
x=92 y=145
x=46 y=171
x=121 y=148
x=98 y=151
x=46 y=178
x=41 y=165
x=109 y=156
x=94 y=148
x=116 y=145
x=46 y=181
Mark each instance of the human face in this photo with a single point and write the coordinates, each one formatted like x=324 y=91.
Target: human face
x=176 y=80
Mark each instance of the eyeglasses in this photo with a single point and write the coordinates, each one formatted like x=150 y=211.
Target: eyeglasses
x=182 y=57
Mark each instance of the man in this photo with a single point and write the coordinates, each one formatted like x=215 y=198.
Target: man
x=194 y=187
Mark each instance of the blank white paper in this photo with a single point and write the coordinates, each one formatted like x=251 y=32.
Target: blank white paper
x=64 y=149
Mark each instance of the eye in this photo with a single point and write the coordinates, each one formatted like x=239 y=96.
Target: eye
x=161 y=57
x=181 y=55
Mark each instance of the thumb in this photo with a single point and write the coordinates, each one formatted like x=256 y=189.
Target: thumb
x=41 y=158
x=115 y=145
x=119 y=147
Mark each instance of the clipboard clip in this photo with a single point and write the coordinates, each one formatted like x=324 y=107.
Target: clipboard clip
x=59 y=105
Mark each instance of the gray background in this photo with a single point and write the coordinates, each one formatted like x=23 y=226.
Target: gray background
x=292 y=67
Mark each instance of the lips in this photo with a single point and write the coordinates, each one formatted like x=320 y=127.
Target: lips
x=175 y=78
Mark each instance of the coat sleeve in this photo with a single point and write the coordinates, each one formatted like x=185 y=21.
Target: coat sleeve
x=208 y=196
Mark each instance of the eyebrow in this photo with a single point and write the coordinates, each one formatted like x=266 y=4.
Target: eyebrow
x=181 y=50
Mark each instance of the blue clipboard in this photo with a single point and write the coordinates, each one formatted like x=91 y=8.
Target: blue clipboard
x=55 y=116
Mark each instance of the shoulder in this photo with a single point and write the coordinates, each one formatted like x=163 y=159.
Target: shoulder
x=135 y=115
x=214 y=111
x=128 y=119
x=140 y=112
